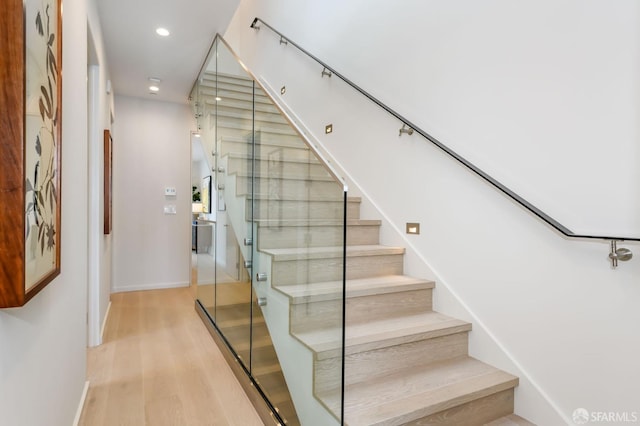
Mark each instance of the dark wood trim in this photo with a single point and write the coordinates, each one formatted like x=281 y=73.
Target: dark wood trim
x=12 y=197
x=13 y=291
x=108 y=181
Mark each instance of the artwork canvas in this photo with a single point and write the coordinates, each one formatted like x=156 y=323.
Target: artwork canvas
x=30 y=58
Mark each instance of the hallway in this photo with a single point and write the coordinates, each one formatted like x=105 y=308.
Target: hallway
x=158 y=366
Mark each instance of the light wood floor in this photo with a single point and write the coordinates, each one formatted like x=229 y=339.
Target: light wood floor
x=159 y=366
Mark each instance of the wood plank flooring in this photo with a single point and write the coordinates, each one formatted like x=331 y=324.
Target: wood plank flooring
x=159 y=366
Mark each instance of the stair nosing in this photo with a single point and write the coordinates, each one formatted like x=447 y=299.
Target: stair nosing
x=312 y=161
x=262 y=197
x=332 y=290
x=284 y=254
x=306 y=223
x=257 y=175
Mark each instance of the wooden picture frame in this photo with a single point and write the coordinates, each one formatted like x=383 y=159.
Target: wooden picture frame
x=205 y=192
x=108 y=181
x=30 y=147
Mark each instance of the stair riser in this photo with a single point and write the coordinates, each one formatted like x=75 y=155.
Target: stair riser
x=380 y=362
x=273 y=210
x=390 y=355
x=277 y=168
x=321 y=315
x=226 y=124
x=232 y=102
x=289 y=188
x=248 y=116
x=213 y=83
x=316 y=236
x=230 y=127
x=320 y=270
x=211 y=77
x=235 y=101
x=211 y=86
x=281 y=146
x=474 y=413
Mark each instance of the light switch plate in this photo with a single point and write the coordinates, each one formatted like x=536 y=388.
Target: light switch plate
x=170 y=209
x=170 y=191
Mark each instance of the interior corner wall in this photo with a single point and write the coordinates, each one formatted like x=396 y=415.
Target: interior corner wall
x=43 y=344
x=100 y=244
x=151 y=151
x=544 y=97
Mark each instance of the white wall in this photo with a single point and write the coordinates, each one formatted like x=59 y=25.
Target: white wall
x=43 y=344
x=151 y=151
x=100 y=109
x=541 y=95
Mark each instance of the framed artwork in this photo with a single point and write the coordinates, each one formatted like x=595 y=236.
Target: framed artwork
x=206 y=194
x=108 y=181
x=30 y=147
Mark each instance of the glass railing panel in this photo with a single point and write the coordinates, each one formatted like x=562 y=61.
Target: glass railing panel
x=278 y=249
x=203 y=262
x=299 y=221
x=232 y=129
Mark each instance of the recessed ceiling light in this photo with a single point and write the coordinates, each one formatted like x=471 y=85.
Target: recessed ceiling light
x=154 y=84
x=162 y=32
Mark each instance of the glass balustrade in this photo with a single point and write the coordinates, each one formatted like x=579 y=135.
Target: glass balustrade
x=272 y=279
x=203 y=262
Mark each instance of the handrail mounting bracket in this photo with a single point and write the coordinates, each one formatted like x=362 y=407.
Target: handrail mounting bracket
x=618 y=254
x=405 y=129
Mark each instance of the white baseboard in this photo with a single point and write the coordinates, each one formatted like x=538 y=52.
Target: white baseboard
x=104 y=322
x=141 y=287
x=81 y=404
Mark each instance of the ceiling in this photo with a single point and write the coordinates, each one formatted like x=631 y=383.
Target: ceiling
x=135 y=52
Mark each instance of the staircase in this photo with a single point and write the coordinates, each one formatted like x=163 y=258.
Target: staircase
x=405 y=364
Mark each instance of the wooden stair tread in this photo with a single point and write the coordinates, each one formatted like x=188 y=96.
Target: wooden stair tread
x=287 y=142
x=264 y=369
x=403 y=394
x=381 y=333
x=237 y=99
x=237 y=322
x=244 y=115
x=308 y=223
x=510 y=420
x=303 y=253
x=261 y=197
x=414 y=393
x=258 y=174
x=312 y=161
x=408 y=396
x=257 y=343
x=229 y=124
x=332 y=290
x=245 y=106
x=267 y=198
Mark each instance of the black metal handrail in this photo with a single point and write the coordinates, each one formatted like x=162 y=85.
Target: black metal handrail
x=511 y=194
